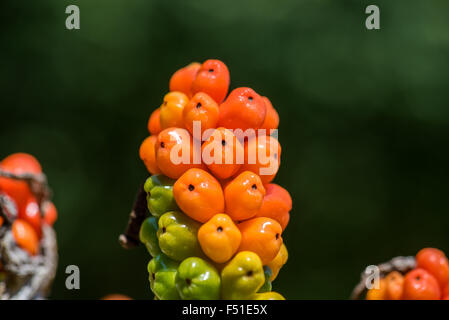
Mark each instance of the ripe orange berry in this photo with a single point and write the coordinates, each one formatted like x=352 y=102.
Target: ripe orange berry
x=182 y=79
x=378 y=293
x=263 y=157
x=394 y=286
x=420 y=285
x=31 y=213
x=154 y=122
x=276 y=204
x=213 y=79
x=172 y=108
x=198 y=194
x=18 y=163
x=147 y=153
x=21 y=163
x=436 y=263
x=243 y=109
x=221 y=153
x=219 y=238
x=262 y=236
x=203 y=109
x=271 y=120
x=174 y=164
x=50 y=213
x=1 y=221
x=244 y=196
x=25 y=236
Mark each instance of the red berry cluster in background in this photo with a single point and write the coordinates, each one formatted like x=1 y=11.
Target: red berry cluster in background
x=428 y=281
x=28 y=214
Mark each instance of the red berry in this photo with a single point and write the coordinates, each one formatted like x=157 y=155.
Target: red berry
x=243 y=109
x=436 y=263
x=32 y=214
x=182 y=79
x=213 y=79
x=50 y=213
x=18 y=163
x=420 y=285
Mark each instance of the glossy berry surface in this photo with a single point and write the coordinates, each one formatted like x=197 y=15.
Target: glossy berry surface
x=215 y=221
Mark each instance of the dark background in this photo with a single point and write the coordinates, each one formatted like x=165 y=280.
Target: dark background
x=364 y=123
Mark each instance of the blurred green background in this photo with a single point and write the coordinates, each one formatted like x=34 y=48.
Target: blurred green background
x=364 y=123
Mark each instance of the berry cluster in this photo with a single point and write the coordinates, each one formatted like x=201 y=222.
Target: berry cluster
x=215 y=229
x=22 y=211
x=428 y=281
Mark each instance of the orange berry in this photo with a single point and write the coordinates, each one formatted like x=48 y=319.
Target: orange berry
x=435 y=262
x=213 y=79
x=198 y=194
x=31 y=213
x=21 y=163
x=25 y=236
x=262 y=236
x=378 y=293
x=203 y=109
x=174 y=164
x=276 y=204
x=172 y=108
x=420 y=285
x=221 y=153
x=394 y=286
x=18 y=163
x=182 y=79
x=219 y=238
x=244 y=196
x=154 y=122
x=147 y=153
x=271 y=120
x=1 y=221
x=243 y=109
x=263 y=157
x=50 y=213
